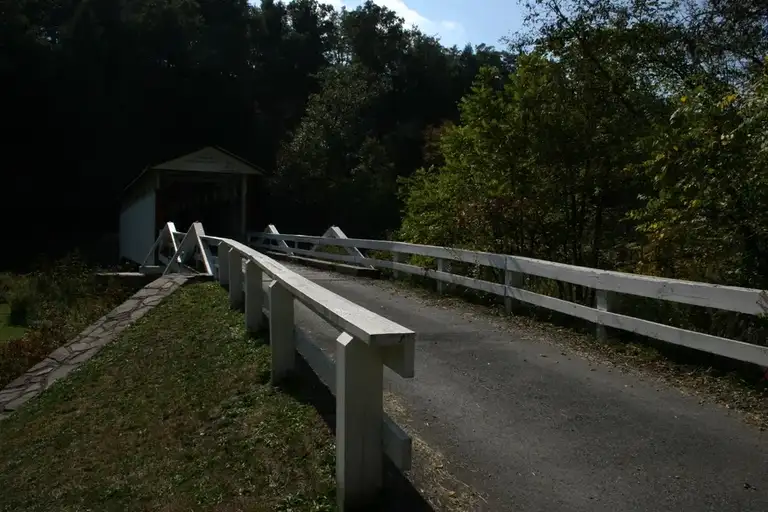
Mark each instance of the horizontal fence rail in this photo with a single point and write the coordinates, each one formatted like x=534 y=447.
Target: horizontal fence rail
x=367 y=342
x=604 y=282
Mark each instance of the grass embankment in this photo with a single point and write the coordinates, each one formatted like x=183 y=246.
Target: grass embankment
x=43 y=310
x=177 y=414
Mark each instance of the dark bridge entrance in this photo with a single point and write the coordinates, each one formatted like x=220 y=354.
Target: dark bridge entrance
x=210 y=186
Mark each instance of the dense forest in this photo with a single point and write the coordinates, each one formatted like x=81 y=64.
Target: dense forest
x=626 y=134
x=93 y=91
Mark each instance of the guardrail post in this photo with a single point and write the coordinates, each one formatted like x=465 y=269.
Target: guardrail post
x=281 y=244
x=602 y=303
x=235 y=279
x=398 y=257
x=442 y=266
x=223 y=258
x=359 y=413
x=515 y=280
x=337 y=233
x=254 y=297
x=281 y=335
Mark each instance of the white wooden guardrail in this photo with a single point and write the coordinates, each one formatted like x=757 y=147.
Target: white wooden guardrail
x=367 y=343
x=605 y=282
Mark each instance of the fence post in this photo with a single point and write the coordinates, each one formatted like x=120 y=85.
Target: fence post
x=602 y=303
x=281 y=335
x=442 y=266
x=254 y=297
x=223 y=257
x=235 y=279
x=398 y=257
x=515 y=280
x=359 y=406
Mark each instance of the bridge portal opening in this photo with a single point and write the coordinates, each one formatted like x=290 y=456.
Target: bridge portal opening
x=210 y=185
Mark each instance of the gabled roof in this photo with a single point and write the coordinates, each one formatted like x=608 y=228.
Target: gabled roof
x=210 y=159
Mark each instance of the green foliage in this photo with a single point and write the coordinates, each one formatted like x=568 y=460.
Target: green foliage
x=431 y=210
x=521 y=172
x=706 y=217
x=165 y=77
x=573 y=158
x=572 y=145
x=21 y=298
x=628 y=138
x=6 y=281
x=365 y=126
x=60 y=286
x=334 y=151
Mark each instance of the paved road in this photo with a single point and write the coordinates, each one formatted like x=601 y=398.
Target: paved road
x=534 y=428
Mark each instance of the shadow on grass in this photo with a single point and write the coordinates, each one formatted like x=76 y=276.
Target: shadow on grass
x=398 y=493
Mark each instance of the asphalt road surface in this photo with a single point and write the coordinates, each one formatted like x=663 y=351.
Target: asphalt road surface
x=533 y=427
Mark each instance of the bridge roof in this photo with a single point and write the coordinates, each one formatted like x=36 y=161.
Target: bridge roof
x=209 y=159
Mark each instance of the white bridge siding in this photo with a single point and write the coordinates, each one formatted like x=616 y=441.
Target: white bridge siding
x=137 y=227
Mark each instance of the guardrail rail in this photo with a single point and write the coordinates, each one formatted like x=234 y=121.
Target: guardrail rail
x=605 y=283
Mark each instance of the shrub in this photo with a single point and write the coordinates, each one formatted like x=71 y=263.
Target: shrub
x=6 y=281
x=20 y=297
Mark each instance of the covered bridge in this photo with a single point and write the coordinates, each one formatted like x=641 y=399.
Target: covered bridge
x=210 y=185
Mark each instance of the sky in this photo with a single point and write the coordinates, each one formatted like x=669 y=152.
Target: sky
x=455 y=22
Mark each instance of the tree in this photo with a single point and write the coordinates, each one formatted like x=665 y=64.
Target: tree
x=706 y=217
x=333 y=165
x=572 y=157
x=395 y=84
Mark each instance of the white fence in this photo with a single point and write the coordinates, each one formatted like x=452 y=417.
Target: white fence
x=728 y=298
x=367 y=343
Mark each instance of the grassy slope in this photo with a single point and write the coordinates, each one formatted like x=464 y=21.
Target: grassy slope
x=176 y=415
x=7 y=331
